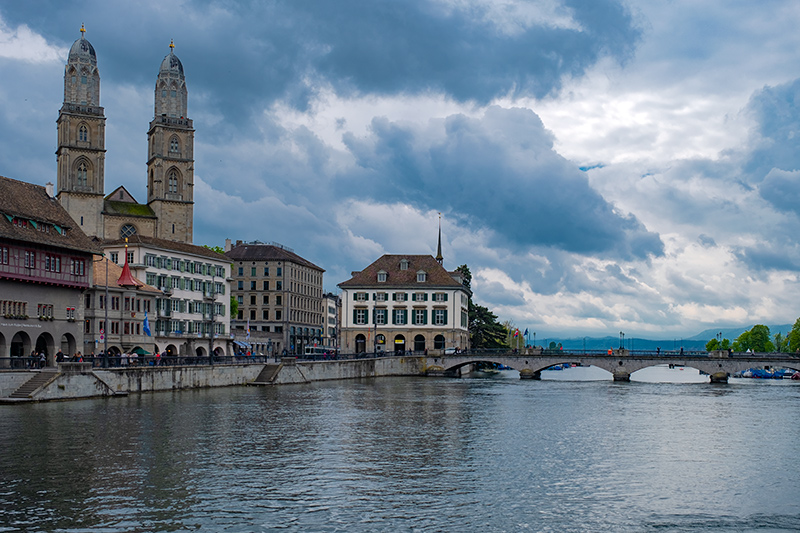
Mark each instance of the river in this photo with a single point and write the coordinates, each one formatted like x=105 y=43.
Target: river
x=568 y=453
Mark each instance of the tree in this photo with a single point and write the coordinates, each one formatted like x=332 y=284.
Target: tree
x=756 y=340
x=466 y=276
x=794 y=337
x=217 y=249
x=484 y=330
x=781 y=342
x=234 y=307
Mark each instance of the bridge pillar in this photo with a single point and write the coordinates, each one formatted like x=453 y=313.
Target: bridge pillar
x=621 y=373
x=527 y=373
x=719 y=377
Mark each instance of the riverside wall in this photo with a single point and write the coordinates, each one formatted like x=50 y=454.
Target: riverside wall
x=80 y=380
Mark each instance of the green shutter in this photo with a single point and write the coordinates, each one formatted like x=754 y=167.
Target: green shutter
x=373 y=297
x=445 y=317
x=426 y=298
x=394 y=317
x=445 y=297
x=373 y=316
x=394 y=296
x=405 y=316
x=413 y=316
x=354 y=316
x=425 y=316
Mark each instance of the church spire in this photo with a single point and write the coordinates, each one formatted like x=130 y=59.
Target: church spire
x=439 y=257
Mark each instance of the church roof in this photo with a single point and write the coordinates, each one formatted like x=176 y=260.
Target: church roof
x=29 y=214
x=436 y=274
x=82 y=49
x=171 y=64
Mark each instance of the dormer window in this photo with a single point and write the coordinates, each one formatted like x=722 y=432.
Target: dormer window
x=382 y=276
x=404 y=264
x=422 y=276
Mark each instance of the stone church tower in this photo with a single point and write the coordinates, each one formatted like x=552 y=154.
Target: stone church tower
x=170 y=155
x=81 y=139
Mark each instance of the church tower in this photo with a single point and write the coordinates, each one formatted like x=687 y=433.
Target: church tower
x=81 y=139
x=170 y=155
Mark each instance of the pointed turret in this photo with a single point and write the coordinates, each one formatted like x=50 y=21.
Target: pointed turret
x=439 y=257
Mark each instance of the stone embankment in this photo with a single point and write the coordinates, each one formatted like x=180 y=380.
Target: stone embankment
x=71 y=381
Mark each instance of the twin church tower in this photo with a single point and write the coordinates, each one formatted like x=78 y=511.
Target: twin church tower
x=81 y=152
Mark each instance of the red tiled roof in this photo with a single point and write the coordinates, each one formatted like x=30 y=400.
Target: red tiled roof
x=436 y=274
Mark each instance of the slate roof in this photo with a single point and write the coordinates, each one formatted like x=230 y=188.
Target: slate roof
x=267 y=252
x=114 y=273
x=166 y=245
x=437 y=275
x=19 y=199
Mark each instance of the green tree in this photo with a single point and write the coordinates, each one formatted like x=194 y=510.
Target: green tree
x=217 y=249
x=484 y=329
x=794 y=337
x=756 y=340
x=466 y=276
x=234 y=307
x=781 y=342
x=712 y=345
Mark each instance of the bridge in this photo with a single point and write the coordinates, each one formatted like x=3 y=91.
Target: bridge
x=621 y=363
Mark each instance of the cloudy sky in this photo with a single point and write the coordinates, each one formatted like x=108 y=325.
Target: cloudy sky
x=600 y=165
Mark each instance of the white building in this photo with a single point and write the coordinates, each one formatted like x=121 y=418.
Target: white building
x=403 y=303
x=192 y=314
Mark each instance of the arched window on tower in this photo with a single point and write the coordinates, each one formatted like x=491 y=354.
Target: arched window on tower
x=83 y=133
x=172 y=181
x=174 y=146
x=82 y=175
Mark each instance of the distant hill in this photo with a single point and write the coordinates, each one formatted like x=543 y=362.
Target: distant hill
x=696 y=342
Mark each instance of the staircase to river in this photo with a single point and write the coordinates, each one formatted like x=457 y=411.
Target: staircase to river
x=267 y=374
x=38 y=380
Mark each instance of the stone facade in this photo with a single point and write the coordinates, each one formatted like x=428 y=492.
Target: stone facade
x=280 y=298
x=168 y=213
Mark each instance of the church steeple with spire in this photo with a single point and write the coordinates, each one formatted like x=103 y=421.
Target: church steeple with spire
x=439 y=257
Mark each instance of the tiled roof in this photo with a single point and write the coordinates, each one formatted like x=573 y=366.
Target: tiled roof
x=267 y=252
x=30 y=202
x=437 y=275
x=114 y=273
x=166 y=245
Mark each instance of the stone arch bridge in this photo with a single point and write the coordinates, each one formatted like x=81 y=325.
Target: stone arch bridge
x=620 y=363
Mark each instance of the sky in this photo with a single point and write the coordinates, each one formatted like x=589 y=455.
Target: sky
x=601 y=166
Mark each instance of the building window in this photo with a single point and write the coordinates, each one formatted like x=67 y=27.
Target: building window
x=422 y=276
x=30 y=259
x=3 y=255
x=400 y=316
x=360 y=316
x=278 y=315
x=278 y=285
x=420 y=297
x=382 y=276
x=115 y=257
x=172 y=180
x=127 y=230
x=440 y=297
x=265 y=314
x=83 y=133
x=399 y=297
x=266 y=271
x=265 y=285
x=380 y=317
x=420 y=316
x=380 y=296
x=252 y=299
x=252 y=285
x=174 y=146
x=404 y=264
x=440 y=317
x=82 y=174
x=240 y=285
x=265 y=299
x=361 y=296
x=280 y=271
x=130 y=257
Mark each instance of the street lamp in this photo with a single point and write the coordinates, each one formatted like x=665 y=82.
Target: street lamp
x=621 y=339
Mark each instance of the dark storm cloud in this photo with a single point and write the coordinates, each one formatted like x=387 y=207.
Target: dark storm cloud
x=499 y=172
x=247 y=54
x=769 y=256
x=782 y=189
x=776 y=111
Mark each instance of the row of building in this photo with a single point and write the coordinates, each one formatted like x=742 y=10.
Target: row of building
x=84 y=271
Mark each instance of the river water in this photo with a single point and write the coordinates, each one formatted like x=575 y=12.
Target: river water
x=411 y=454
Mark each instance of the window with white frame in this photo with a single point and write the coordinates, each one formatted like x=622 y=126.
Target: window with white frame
x=422 y=276
x=440 y=317
x=381 y=316
x=361 y=316
x=400 y=316
x=382 y=275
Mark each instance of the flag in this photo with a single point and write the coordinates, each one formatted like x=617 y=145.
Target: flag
x=248 y=328
x=516 y=333
x=526 y=332
x=146 y=325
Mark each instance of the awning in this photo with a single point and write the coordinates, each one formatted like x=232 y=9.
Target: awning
x=242 y=344
x=141 y=351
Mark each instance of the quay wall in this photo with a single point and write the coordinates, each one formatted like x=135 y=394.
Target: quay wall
x=80 y=380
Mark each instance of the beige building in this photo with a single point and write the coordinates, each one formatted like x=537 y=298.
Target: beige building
x=404 y=303
x=168 y=213
x=280 y=299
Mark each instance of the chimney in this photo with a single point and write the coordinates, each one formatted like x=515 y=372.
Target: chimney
x=227 y=245
x=49 y=188
x=238 y=243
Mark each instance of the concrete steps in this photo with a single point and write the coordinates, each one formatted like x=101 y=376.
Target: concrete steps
x=267 y=374
x=39 y=380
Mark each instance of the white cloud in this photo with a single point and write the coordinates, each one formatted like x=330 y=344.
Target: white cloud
x=22 y=44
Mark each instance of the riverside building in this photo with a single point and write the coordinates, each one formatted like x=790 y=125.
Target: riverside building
x=279 y=296
x=190 y=316
x=45 y=266
x=404 y=303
